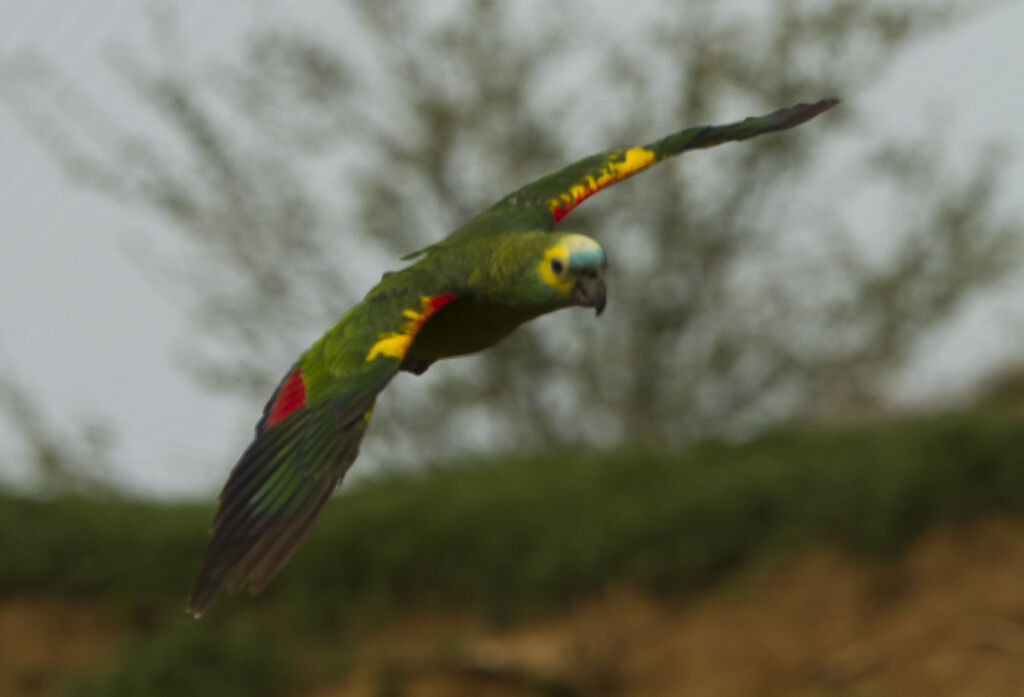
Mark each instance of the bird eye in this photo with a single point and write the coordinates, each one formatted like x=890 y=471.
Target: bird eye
x=557 y=266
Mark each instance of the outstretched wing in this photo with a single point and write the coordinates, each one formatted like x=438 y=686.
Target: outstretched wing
x=307 y=439
x=550 y=198
x=542 y=203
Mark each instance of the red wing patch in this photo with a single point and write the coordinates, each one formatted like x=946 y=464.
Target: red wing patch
x=618 y=166
x=436 y=302
x=290 y=396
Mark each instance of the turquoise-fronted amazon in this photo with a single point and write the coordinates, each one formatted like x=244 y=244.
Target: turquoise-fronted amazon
x=465 y=293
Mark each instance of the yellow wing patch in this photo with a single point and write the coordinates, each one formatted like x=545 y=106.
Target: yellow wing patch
x=631 y=161
x=396 y=344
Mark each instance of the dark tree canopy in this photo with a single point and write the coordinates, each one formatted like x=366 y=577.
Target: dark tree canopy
x=742 y=291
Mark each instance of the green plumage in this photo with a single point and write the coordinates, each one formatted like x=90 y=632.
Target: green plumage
x=466 y=292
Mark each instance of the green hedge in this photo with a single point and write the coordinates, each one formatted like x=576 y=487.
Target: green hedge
x=532 y=533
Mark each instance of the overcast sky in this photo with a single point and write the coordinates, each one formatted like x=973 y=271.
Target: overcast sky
x=94 y=338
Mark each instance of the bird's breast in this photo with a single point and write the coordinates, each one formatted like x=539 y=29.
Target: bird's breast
x=465 y=325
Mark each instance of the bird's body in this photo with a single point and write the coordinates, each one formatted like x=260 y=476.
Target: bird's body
x=464 y=294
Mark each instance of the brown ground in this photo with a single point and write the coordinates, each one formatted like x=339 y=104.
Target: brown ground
x=945 y=619
x=43 y=640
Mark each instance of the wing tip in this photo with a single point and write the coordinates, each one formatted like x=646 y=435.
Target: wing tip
x=201 y=598
x=803 y=112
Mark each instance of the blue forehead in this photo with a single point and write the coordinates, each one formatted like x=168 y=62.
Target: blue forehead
x=586 y=258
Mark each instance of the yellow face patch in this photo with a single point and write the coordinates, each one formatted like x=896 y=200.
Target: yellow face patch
x=631 y=161
x=560 y=275
x=564 y=281
x=396 y=344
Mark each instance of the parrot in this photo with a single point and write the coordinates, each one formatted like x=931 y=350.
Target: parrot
x=461 y=295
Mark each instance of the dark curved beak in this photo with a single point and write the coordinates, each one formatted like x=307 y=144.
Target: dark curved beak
x=590 y=291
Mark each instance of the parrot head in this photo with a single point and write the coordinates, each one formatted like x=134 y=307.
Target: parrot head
x=572 y=266
x=538 y=272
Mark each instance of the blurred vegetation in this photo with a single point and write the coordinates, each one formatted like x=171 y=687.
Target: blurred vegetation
x=58 y=457
x=743 y=294
x=778 y=280
x=531 y=534
x=1003 y=394
x=508 y=540
x=183 y=659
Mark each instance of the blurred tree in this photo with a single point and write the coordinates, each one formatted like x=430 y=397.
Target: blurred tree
x=58 y=458
x=745 y=286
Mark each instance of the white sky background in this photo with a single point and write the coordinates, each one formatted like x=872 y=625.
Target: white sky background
x=95 y=338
